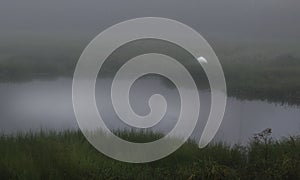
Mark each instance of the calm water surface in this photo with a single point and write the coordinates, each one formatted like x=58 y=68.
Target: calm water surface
x=48 y=104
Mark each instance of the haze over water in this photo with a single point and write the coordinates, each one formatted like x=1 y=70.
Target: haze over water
x=30 y=106
x=47 y=38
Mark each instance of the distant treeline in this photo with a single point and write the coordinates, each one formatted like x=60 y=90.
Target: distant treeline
x=26 y=68
x=275 y=79
x=248 y=76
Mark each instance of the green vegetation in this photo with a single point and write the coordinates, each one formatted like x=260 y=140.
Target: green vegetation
x=275 y=79
x=67 y=155
x=253 y=71
x=27 y=68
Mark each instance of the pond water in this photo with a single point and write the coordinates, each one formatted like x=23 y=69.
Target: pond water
x=30 y=106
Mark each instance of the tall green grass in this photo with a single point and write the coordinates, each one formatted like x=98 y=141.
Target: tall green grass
x=68 y=155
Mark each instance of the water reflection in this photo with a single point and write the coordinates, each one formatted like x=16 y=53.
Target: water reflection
x=48 y=105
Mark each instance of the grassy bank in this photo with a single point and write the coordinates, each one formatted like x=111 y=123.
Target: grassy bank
x=67 y=155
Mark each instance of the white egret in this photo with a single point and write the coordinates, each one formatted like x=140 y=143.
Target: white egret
x=201 y=60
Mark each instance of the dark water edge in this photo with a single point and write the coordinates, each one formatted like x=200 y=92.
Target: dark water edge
x=280 y=96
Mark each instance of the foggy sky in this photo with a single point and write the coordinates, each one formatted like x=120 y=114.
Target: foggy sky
x=255 y=20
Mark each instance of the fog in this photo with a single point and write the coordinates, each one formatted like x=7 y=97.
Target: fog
x=47 y=105
x=56 y=31
x=31 y=21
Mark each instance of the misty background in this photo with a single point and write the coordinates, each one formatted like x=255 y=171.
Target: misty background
x=257 y=42
x=57 y=21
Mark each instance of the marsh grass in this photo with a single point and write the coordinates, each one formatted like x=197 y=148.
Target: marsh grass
x=68 y=155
